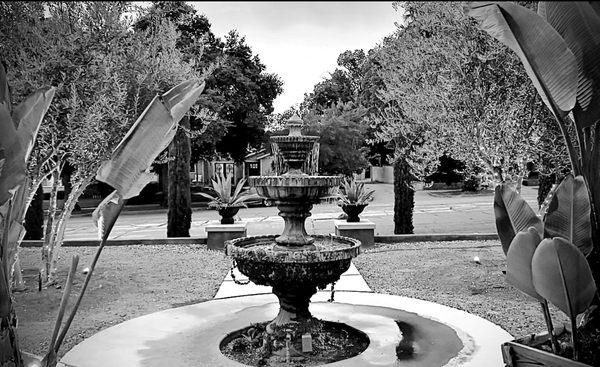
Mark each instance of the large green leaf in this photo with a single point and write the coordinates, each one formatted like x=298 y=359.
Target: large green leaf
x=518 y=261
x=28 y=116
x=13 y=171
x=562 y=275
x=149 y=135
x=579 y=26
x=547 y=59
x=513 y=215
x=106 y=214
x=568 y=214
x=18 y=130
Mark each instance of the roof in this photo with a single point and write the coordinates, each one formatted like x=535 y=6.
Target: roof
x=260 y=154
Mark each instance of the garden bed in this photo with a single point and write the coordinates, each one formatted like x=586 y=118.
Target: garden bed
x=446 y=273
x=131 y=281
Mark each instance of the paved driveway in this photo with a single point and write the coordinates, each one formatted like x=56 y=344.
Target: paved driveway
x=435 y=212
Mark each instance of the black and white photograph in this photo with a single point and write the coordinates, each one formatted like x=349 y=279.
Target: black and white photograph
x=299 y=184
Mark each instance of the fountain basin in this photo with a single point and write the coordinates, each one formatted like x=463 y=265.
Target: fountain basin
x=294 y=275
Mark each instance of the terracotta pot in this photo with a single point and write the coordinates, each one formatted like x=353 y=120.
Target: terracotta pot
x=228 y=213
x=353 y=210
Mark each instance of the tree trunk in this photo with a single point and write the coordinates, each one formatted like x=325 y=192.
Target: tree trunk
x=546 y=182
x=163 y=182
x=34 y=219
x=61 y=225
x=179 y=217
x=65 y=178
x=404 y=198
x=49 y=225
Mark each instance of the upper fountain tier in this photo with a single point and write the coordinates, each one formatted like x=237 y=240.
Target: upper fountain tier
x=294 y=148
x=294 y=152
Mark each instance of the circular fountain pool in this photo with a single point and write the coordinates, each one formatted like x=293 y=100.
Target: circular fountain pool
x=191 y=335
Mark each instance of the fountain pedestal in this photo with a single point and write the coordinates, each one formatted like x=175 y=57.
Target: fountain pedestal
x=294 y=236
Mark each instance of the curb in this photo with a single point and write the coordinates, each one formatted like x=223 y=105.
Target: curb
x=399 y=238
x=92 y=243
x=437 y=237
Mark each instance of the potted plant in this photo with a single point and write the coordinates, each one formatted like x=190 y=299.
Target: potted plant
x=558 y=48
x=353 y=198
x=226 y=202
x=546 y=259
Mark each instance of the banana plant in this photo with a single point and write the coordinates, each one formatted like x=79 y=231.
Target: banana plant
x=558 y=47
x=513 y=215
x=562 y=275
x=560 y=52
x=18 y=130
x=519 y=273
x=547 y=261
x=127 y=171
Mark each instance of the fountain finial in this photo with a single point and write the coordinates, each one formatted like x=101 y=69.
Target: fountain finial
x=295 y=125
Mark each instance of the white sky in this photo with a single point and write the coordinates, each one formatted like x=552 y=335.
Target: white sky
x=300 y=41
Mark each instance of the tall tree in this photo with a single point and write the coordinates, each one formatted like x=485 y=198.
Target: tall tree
x=342 y=135
x=247 y=93
x=105 y=74
x=193 y=39
x=447 y=71
x=179 y=216
x=238 y=96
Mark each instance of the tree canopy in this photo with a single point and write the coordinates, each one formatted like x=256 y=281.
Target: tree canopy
x=239 y=93
x=442 y=72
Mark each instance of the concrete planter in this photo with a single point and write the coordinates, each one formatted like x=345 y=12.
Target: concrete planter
x=217 y=234
x=353 y=210
x=228 y=213
x=364 y=231
x=522 y=353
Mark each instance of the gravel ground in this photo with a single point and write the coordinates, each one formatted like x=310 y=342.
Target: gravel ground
x=129 y=281
x=446 y=273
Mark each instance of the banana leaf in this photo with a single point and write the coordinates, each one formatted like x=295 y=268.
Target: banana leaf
x=13 y=171
x=513 y=215
x=579 y=26
x=28 y=116
x=562 y=275
x=568 y=214
x=518 y=261
x=547 y=59
x=127 y=169
x=18 y=130
x=106 y=214
x=149 y=135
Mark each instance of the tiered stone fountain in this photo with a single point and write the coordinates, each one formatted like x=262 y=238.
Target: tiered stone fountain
x=293 y=263
x=385 y=330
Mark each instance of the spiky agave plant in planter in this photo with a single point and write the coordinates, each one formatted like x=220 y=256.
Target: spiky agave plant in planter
x=560 y=51
x=353 y=198
x=228 y=203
